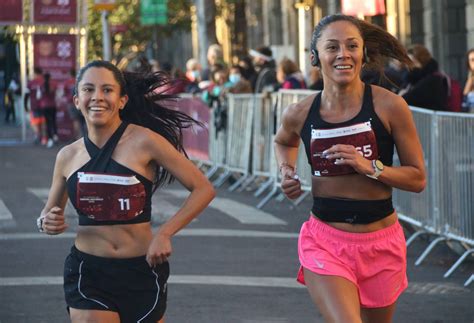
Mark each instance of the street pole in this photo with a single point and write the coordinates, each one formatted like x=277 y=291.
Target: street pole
x=106 y=43
x=202 y=32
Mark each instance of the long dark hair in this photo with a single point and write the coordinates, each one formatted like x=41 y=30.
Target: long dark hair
x=146 y=107
x=379 y=43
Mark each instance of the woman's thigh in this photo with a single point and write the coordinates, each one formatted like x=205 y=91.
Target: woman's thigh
x=337 y=298
x=376 y=315
x=93 y=316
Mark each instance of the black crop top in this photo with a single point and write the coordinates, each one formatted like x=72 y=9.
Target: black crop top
x=104 y=192
x=365 y=131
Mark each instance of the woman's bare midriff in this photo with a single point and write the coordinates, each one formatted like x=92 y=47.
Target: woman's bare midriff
x=357 y=187
x=114 y=241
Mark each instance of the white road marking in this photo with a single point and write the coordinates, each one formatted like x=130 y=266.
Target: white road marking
x=5 y=213
x=241 y=212
x=184 y=233
x=242 y=281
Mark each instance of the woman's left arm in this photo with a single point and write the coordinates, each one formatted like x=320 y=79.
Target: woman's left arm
x=410 y=175
x=202 y=193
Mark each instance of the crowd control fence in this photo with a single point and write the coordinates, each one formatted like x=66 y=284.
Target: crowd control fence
x=445 y=209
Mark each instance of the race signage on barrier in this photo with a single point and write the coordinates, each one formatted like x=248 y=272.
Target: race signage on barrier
x=12 y=12
x=55 y=11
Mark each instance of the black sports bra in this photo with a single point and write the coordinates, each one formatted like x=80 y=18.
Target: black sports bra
x=365 y=131
x=104 y=192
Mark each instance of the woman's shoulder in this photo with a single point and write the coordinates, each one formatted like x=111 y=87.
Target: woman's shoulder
x=386 y=99
x=296 y=113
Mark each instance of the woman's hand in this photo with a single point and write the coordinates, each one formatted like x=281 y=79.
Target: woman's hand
x=290 y=184
x=159 y=250
x=349 y=155
x=54 y=221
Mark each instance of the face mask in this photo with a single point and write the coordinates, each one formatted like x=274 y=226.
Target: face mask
x=234 y=78
x=195 y=75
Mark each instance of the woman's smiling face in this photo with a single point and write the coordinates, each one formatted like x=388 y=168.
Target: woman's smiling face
x=340 y=51
x=98 y=96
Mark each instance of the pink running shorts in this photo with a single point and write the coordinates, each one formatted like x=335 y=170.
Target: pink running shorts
x=375 y=262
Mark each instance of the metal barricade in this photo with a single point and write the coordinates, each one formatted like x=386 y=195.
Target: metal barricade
x=285 y=98
x=238 y=138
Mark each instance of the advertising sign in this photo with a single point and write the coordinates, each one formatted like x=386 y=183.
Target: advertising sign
x=55 y=54
x=11 y=12
x=106 y=5
x=55 y=11
x=154 y=12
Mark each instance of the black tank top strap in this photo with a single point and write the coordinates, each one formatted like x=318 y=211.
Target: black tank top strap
x=100 y=157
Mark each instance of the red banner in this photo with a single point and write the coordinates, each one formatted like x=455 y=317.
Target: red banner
x=56 y=55
x=11 y=11
x=55 y=11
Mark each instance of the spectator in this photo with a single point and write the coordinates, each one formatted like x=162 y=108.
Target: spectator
x=48 y=105
x=289 y=75
x=78 y=122
x=215 y=58
x=219 y=86
x=193 y=75
x=9 y=99
x=248 y=70
x=469 y=86
x=266 y=69
x=427 y=87
x=239 y=83
x=33 y=96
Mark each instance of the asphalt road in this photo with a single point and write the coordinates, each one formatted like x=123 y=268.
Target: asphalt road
x=234 y=264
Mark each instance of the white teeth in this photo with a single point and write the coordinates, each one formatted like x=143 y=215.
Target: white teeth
x=97 y=109
x=343 y=67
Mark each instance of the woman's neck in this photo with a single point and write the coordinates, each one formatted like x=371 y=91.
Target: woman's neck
x=341 y=97
x=99 y=135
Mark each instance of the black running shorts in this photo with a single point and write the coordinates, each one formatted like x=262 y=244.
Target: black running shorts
x=126 y=286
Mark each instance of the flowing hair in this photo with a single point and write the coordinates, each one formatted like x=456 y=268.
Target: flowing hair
x=147 y=107
x=379 y=43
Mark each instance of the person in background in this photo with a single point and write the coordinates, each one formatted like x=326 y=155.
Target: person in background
x=47 y=104
x=215 y=59
x=193 y=76
x=289 y=75
x=248 y=70
x=118 y=268
x=468 y=91
x=266 y=69
x=75 y=115
x=352 y=250
x=426 y=86
x=239 y=83
x=33 y=97
x=9 y=100
x=219 y=87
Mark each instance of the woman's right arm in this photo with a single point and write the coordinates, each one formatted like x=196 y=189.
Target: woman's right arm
x=286 y=145
x=53 y=212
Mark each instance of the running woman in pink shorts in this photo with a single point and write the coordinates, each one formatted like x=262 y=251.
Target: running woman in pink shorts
x=352 y=249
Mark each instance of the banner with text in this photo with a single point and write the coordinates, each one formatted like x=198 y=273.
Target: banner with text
x=55 y=11
x=55 y=54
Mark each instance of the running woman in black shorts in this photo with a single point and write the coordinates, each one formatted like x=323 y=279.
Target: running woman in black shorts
x=352 y=249
x=117 y=269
